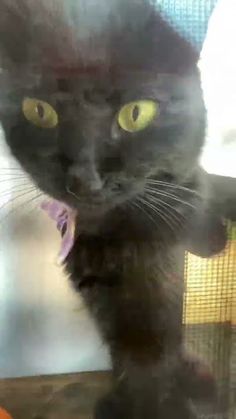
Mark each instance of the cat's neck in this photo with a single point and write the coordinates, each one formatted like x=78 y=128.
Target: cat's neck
x=126 y=224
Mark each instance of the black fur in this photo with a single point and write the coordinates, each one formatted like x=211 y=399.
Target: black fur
x=128 y=259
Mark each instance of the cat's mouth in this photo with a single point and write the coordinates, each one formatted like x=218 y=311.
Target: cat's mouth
x=85 y=200
x=99 y=202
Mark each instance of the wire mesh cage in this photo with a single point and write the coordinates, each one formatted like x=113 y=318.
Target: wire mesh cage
x=209 y=316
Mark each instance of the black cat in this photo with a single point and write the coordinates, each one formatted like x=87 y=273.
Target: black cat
x=101 y=103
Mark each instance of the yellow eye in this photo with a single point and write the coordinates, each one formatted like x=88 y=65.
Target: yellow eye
x=136 y=116
x=39 y=113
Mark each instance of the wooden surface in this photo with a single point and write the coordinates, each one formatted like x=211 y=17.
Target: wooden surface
x=55 y=397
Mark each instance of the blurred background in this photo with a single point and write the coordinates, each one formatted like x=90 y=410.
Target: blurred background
x=218 y=69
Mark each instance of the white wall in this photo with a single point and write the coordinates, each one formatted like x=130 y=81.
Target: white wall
x=44 y=327
x=218 y=66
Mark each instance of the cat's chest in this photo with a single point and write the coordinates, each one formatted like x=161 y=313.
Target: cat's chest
x=108 y=262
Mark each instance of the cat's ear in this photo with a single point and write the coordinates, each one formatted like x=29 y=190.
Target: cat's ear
x=33 y=34
x=14 y=33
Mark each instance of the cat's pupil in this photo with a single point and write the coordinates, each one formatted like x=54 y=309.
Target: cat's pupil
x=40 y=110
x=135 y=113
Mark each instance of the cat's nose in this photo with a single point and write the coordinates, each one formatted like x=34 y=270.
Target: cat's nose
x=84 y=183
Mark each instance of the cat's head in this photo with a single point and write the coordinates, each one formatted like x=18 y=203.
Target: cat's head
x=97 y=97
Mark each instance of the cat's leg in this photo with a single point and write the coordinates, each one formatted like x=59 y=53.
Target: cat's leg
x=138 y=310
x=153 y=389
x=138 y=406
x=155 y=392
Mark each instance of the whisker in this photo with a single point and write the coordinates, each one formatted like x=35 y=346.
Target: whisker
x=133 y=205
x=11 y=170
x=172 y=210
x=166 y=219
x=37 y=207
x=73 y=194
x=18 y=167
x=15 y=188
x=12 y=200
x=170 y=213
x=14 y=179
x=21 y=205
x=171 y=196
x=5 y=172
x=173 y=186
x=146 y=213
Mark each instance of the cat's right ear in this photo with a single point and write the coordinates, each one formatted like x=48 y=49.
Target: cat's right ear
x=14 y=33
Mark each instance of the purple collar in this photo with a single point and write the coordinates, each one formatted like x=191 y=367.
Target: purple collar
x=65 y=219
